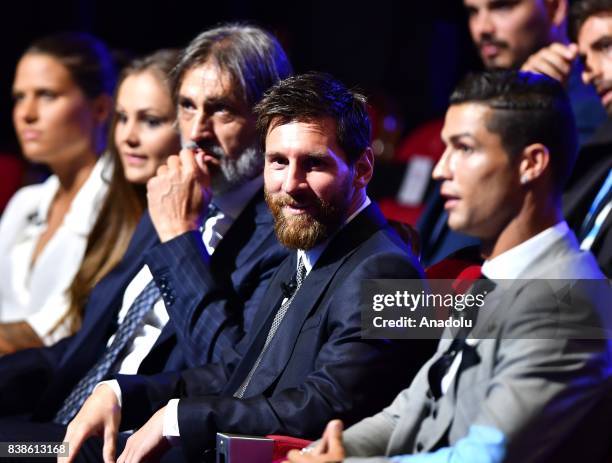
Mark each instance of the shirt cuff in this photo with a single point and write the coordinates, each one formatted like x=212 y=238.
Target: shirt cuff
x=114 y=385
x=170 y=428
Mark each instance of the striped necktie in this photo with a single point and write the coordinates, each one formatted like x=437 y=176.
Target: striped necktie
x=125 y=333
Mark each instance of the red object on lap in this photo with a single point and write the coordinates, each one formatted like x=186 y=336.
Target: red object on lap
x=282 y=445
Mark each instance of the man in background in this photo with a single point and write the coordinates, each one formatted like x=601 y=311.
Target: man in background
x=511 y=35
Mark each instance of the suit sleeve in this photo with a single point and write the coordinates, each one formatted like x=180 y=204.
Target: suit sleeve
x=25 y=376
x=546 y=373
x=143 y=395
x=208 y=312
x=350 y=376
x=546 y=382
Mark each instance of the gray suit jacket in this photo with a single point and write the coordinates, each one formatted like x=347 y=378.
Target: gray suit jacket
x=537 y=392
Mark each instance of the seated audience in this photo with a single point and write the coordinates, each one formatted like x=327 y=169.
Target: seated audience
x=511 y=35
x=201 y=256
x=62 y=100
x=305 y=360
x=524 y=386
x=587 y=202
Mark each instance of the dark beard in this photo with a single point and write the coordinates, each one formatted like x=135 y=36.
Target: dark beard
x=305 y=231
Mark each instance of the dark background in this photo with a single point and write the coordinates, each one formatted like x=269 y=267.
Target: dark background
x=406 y=55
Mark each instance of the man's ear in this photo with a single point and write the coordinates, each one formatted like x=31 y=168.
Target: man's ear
x=363 y=168
x=534 y=163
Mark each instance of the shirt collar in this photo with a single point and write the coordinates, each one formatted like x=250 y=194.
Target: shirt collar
x=83 y=211
x=233 y=202
x=311 y=256
x=514 y=262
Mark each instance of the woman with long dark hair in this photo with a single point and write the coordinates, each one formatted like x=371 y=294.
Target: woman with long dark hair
x=82 y=259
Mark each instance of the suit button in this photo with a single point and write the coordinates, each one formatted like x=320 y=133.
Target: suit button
x=434 y=414
x=419 y=447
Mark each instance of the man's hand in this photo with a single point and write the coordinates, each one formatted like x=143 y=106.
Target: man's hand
x=555 y=61
x=148 y=443
x=178 y=194
x=329 y=449
x=99 y=416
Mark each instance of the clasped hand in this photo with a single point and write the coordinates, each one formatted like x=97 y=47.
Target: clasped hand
x=329 y=449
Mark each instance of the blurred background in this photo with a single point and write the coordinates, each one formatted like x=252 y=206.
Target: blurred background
x=405 y=55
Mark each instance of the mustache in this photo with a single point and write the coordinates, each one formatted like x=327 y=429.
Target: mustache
x=283 y=199
x=487 y=40
x=205 y=145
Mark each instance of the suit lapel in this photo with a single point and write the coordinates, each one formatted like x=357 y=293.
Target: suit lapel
x=223 y=260
x=446 y=407
x=255 y=340
x=231 y=250
x=309 y=296
x=282 y=345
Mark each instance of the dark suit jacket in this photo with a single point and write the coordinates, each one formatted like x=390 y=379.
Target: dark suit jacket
x=592 y=167
x=317 y=367
x=438 y=241
x=210 y=301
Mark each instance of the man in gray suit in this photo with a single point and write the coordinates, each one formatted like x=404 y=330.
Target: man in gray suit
x=525 y=385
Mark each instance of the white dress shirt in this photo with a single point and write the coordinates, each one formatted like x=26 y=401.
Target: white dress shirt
x=38 y=293
x=229 y=206
x=511 y=265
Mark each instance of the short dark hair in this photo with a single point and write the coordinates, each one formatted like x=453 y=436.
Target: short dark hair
x=310 y=96
x=251 y=56
x=87 y=59
x=581 y=10
x=527 y=108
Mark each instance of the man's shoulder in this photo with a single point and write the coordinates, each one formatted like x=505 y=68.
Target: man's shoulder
x=384 y=255
x=565 y=260
x=369 y=241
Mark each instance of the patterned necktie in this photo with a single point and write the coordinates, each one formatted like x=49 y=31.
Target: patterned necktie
x=125 y=333
x=278 y=318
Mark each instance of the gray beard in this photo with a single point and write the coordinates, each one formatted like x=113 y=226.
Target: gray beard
x=233 y=173
x=236 y=172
